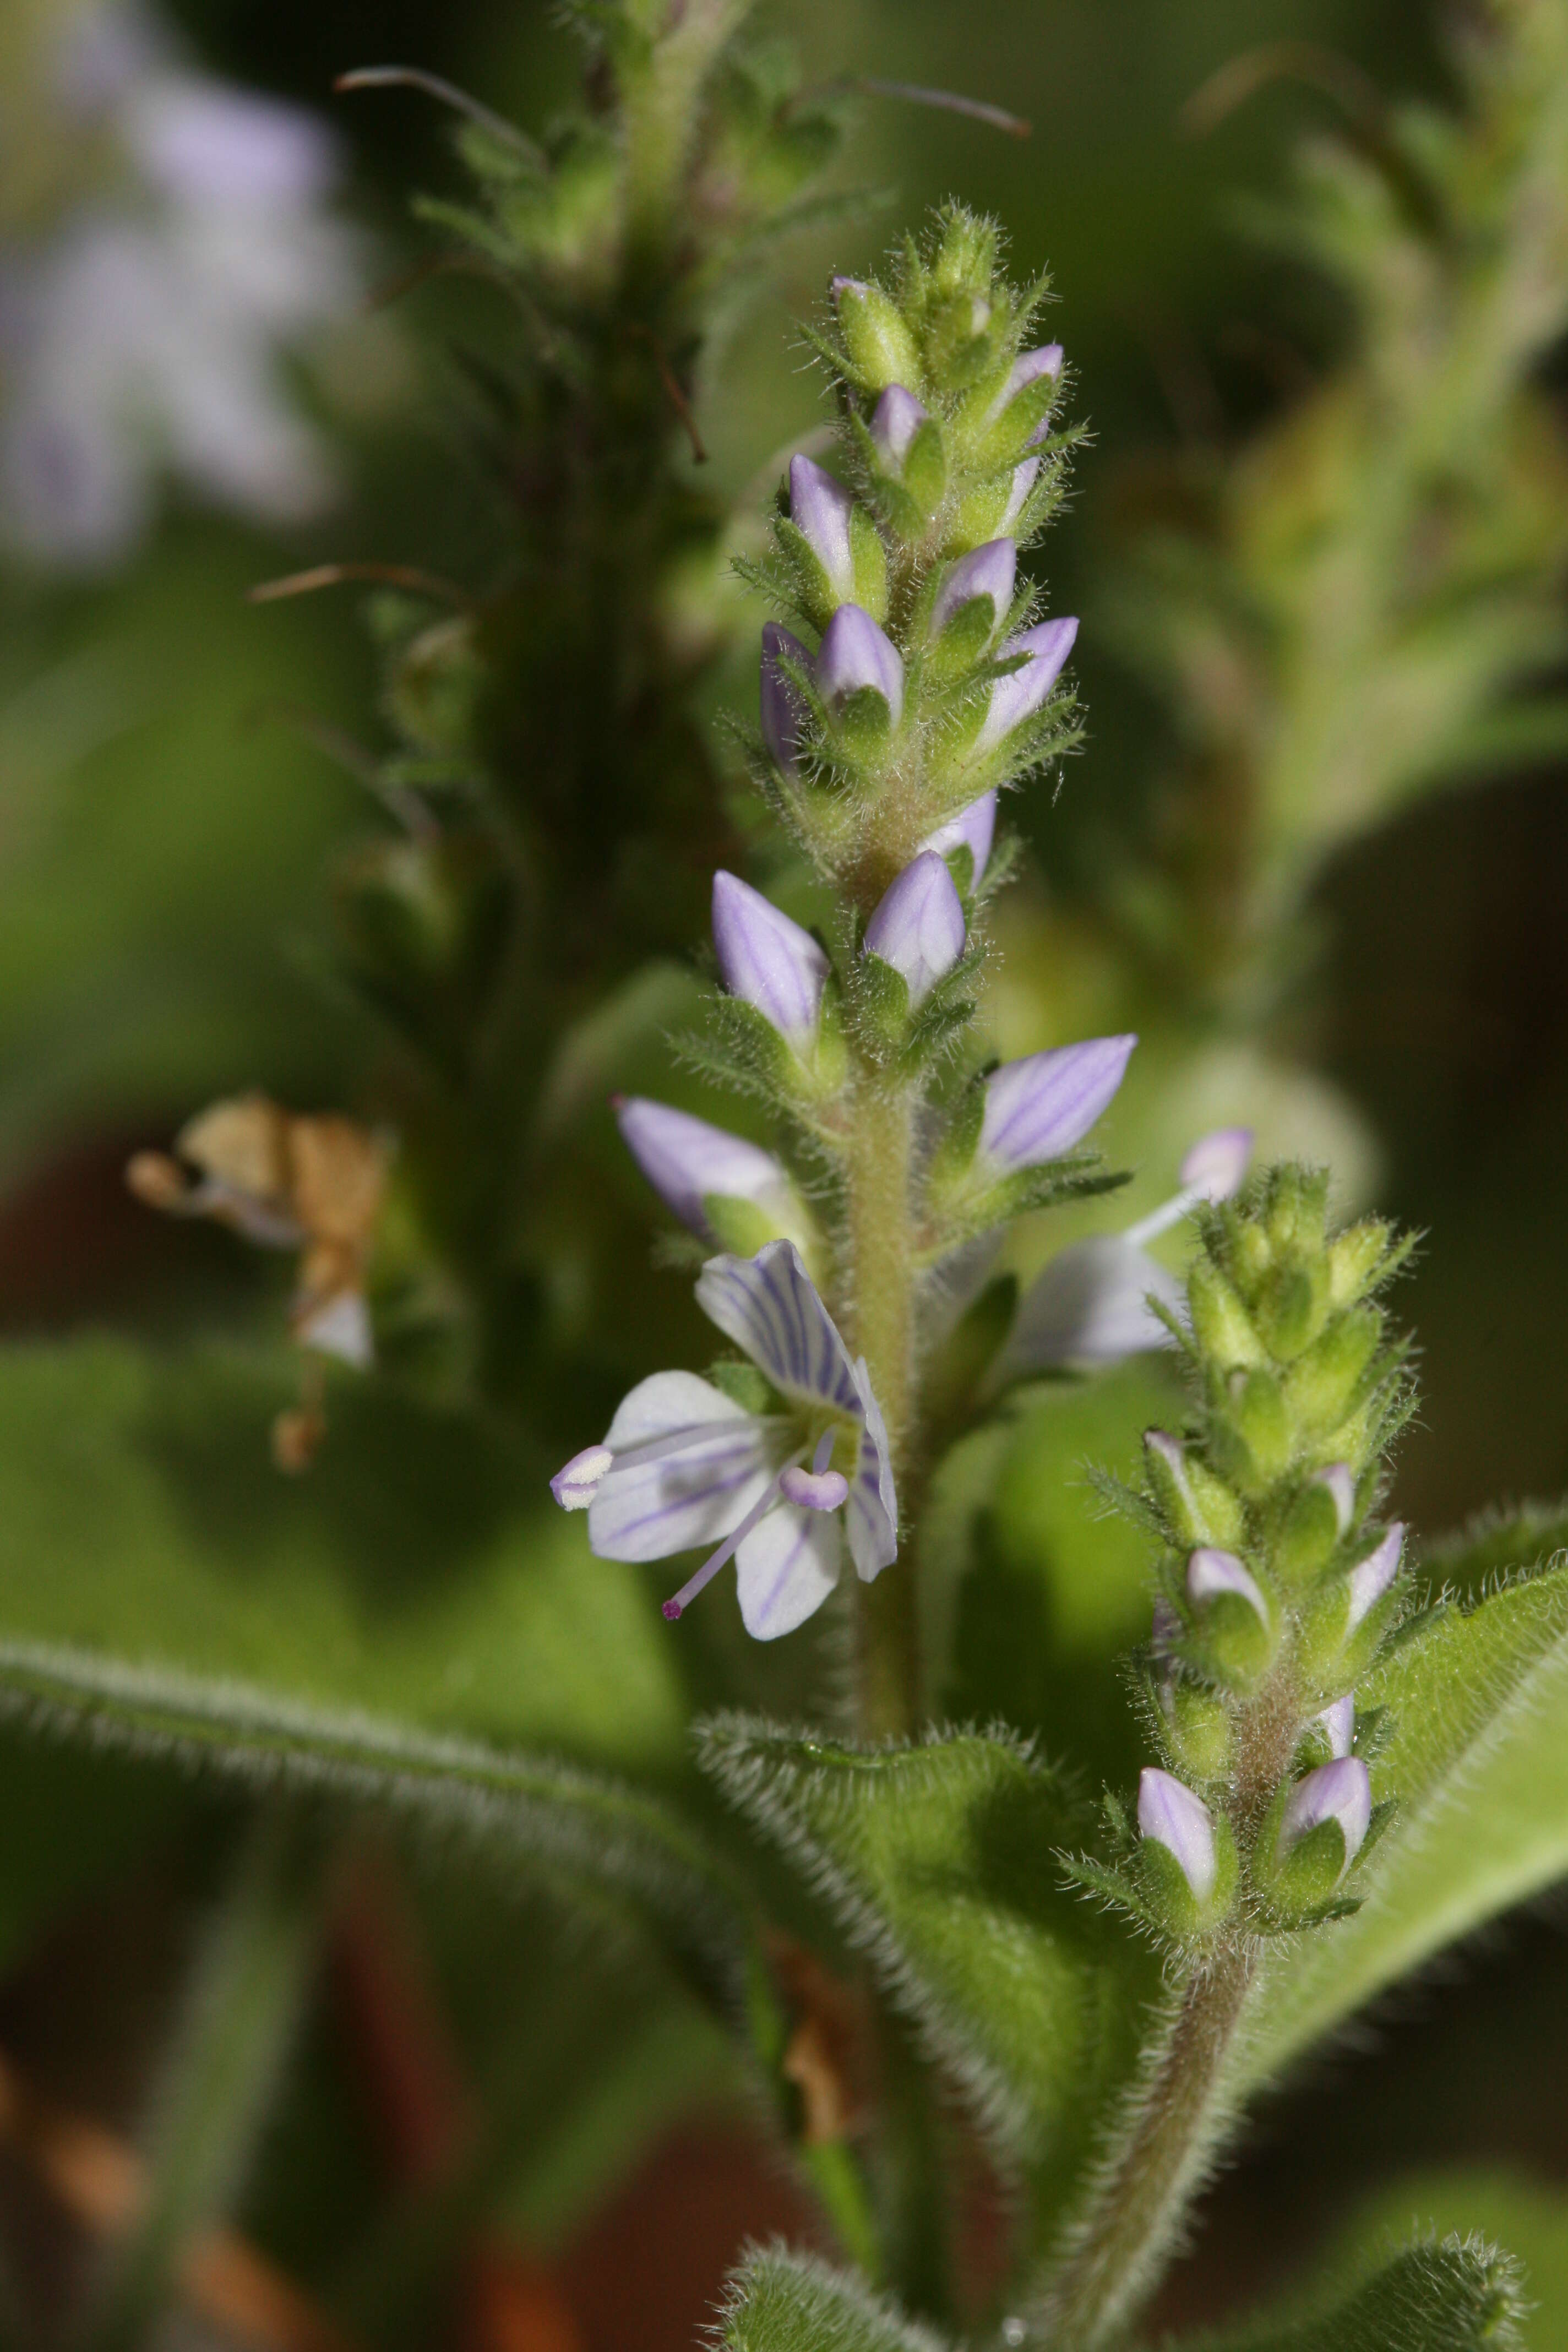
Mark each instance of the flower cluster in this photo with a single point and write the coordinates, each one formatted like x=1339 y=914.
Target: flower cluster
x=145 y=332
x=1277 y=1587
x=911 y=680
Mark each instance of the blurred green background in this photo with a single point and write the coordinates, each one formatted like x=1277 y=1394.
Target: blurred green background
x=165 y=830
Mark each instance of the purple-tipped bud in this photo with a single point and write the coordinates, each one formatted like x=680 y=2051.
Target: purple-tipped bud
x=1337 y=1723
x=686 y=1161
x=1026 y=369
x=820 y=508
x=1211 y=1572
x=854 y=653
x=919 y=926
x=575 y=1486
x=1170 y=1814
x=767 y=960
x=973 y=828
x=839 y=286
x=1371 y=1578
x=1216 y=1163
x=896 y=418
x=1040 y=1106
x=783 y=716
x=1340 y=1485
x=1020 y=694
x=1339 y=1791
x=988 y=571
x=1024 y=479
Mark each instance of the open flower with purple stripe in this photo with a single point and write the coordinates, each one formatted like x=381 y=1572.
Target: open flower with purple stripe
x=783 y=1491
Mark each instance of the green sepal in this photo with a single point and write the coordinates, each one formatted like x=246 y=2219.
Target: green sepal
x=869 y=557
x=881 y=1005
x=1222 y=1328
x=1196 y=1731
x=1249 y=1431
x=1293 y=1306
x=1300 y=1880
x=1232 y=1645
x=879 y=347
x=861 y=727
x=744 y=1385
x=1326 y=1380
x=813 y=593
x=964 y=641
x=1195 y=1505
x=1308 y=1533
x=742 y=1227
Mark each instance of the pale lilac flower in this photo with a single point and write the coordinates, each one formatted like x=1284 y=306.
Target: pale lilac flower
x=147 y=339
x=855 y=653
x=1019 y=695
x=1038 y=1107
x=1371 y=1578
x=988 y=571
x=687 y=1161
x=767 y=960
x=820 y=509
x=1211 y=1572
x=1337 y=1723
x=918 y=926
x=783 y=711
x=683 y=1464
x=1170 y=1814
x=974 y=829
x=895 y=421
x=1091 y=1304
x=1339 y=1792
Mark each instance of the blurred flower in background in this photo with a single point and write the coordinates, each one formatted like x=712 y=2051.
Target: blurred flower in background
x=153 y=282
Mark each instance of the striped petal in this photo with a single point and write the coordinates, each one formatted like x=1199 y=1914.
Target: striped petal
x=1090 y=1306
x=871 y=1515
x=696 y=1493
x=785 y=1569
x=768 y=1305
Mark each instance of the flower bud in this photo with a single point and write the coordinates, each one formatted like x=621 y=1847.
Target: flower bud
x=782 y=713
x=1024 y=479
x=1198 y=1509
x=854 y=659
x=880 y=347
x=896 y=418
x=1221 y=1325
x=1317 y=1518
x=1294 y=1307
x=688 y=1163
x=1251 y=1429
x=768 y=961
x=1324 y=1381
x=1335 y=1726
x=1172 y=1816
x=988 y=571
x=919 y=926
x=820 y=509
x=1237 y=1634
x=1038 y=1107
x=1198 y=1726
x=1339 y=1792
x=1212 y=1573
x=972 y=829
x=1019 y=695
x=1371 y=1577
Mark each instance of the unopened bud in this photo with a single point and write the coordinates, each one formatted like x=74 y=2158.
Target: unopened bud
x=1172 y=1817
x=880 y=348
x=1198 y=1509
x=767 y=960
x=854 y=658
x=974 y=829
x=918 y=928
x=1371 y=1577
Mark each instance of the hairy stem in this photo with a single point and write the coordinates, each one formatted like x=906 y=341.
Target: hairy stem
x=1112 y=2260
x=881 y=1275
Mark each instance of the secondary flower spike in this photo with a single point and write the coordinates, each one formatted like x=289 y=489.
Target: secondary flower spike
x=782 y=1493
x=918 y=928
x=687 y=1161
x=1038 y=1107
x=1174 y=1818
x=820 y=509
x=767 y=960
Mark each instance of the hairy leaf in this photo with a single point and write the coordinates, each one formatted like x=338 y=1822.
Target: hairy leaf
x=1527 y=2217
x=529 y=1808
x=1458 y=2297
x=1476 y=1756
x=780 y=2302
x=941 y=1861
x=419 y=1570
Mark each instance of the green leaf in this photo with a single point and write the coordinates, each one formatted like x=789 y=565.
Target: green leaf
x=1476 y=1756
x=1526 y=2216
x=551 y=1814
x=780 y=2302
x=419 y=1570
x=1457 y=2296
x=941 y=1861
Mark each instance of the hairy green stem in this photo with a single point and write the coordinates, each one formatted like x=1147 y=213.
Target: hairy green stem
x=881 y=1281
x=1112 y=2260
